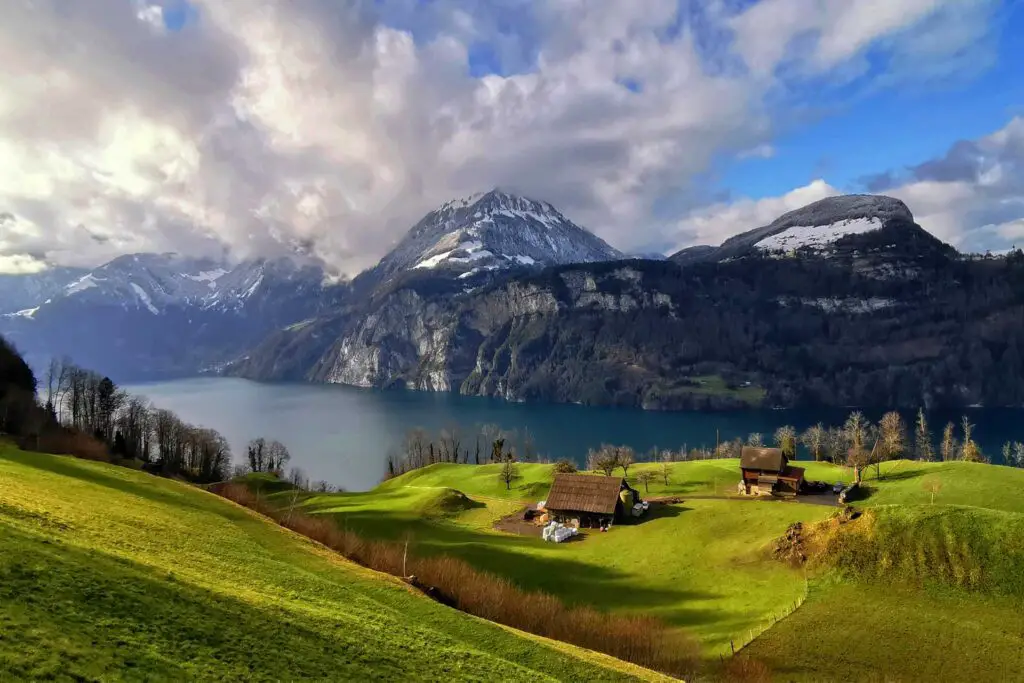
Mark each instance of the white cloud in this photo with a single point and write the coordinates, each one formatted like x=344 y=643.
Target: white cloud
x=972 y=198
x=715 y=223
x=269 y=123
x=20 y=264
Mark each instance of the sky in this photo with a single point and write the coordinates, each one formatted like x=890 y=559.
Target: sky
x=244 y=128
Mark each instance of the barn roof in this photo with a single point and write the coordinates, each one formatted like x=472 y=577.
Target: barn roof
x=753 y=458
x=584 y=493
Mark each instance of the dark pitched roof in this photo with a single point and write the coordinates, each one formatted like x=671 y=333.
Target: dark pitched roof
x=753 y=458
x=584 y=493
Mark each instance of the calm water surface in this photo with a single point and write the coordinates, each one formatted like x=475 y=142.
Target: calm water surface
x=343 y=434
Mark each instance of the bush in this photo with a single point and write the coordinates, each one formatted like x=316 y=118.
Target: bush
x=64 y=441
x=565 y=466
x=642 y=640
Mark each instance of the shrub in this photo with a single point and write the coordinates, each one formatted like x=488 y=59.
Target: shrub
x=63 y=441
x=643 y=640
x=565 y=466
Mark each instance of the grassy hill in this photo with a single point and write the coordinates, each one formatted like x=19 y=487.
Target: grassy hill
x=107 y=573
x=705 y=565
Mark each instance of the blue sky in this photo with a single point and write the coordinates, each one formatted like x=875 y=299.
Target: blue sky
x=888 y=130
x=201 y=126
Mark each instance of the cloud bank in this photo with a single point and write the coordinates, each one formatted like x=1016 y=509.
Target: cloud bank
x=248 y=127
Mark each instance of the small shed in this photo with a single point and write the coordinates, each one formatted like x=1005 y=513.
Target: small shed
x=766 y=471
x=591 y=500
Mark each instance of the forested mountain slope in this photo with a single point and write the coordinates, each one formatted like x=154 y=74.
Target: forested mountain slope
x=888 y=316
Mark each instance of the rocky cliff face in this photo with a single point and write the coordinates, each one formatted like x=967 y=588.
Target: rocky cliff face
x=873 y=314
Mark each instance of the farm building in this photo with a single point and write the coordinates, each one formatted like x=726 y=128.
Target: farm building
x=590 y=500
x=766 y=471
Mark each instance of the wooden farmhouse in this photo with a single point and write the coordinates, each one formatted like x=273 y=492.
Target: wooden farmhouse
x=766 y=471
x=589 y=500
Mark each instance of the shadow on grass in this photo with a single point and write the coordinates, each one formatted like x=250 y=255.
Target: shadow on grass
x=530 y=563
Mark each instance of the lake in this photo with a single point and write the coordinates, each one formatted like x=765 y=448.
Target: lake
x=343 y=434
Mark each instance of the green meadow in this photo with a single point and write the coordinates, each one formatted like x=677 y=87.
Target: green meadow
x=112 y=574
x=705 y=564
x=108 y=574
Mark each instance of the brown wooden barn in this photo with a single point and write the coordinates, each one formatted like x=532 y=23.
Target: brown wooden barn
x=591 y=500
x=766 y=471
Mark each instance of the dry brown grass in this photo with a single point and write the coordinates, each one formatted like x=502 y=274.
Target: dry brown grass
x=64 y=441
x=644 y=641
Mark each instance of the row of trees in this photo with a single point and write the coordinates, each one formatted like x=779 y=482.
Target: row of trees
x=130 y=426
x=82 y=401
x=479 y=445
x=857 y=443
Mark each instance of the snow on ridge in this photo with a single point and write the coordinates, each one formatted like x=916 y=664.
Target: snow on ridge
x=817 y=237
x=82 y=284
x=144 y=298
x=208 y=276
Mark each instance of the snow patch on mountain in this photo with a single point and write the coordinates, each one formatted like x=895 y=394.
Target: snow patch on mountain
x=144 y=298
x=817 y=237
x=493 y=231
x=82 y=284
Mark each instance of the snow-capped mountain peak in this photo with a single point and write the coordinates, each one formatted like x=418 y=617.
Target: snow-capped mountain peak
x=155 y=282
x=820 y=224
x=492 y=231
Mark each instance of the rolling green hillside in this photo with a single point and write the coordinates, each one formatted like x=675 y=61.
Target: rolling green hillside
x=107 y=574
x=705 y=565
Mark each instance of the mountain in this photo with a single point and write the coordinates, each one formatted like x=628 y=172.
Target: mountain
x=150 y=316
x=22 y=293
x=838 y=227
x=488 y=232
x=872 y=313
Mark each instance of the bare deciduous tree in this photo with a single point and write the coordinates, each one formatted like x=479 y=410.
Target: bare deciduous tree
x=603 y=460
x=923 y=448
x=948 y=445
x=509 y=473
x=624 y=458
x=970 y=451
x=932 y=484
x=814 y=440
x=645 y=478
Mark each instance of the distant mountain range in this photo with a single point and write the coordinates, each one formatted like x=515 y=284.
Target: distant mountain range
x=844 y=302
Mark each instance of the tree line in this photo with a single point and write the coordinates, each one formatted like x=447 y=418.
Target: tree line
x=857 y=443
x=76 y=411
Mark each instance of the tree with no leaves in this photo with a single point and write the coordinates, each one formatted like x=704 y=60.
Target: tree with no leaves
x=277 y=456
x=624 y=458
x=645 y=478
x=1013 y=454
x=856 y=431
x=666 y=466
x=893 y=435
x=785 y=438
x=509 y=473
x=932 y=484
x=755 y=439
x=970 y=451
x=923 y=438
x=892 y=439
x=604 y=459
x=948 y=446
x=814 y=440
